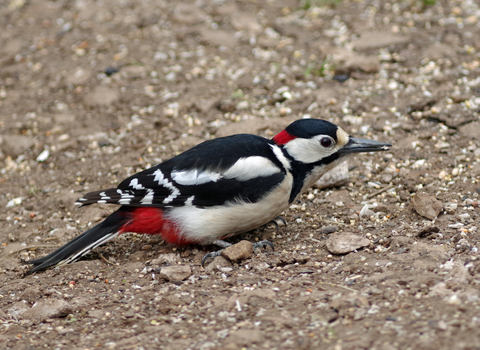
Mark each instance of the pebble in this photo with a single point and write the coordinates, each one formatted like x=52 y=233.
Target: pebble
x=426 y=205
x=15 y=201
x=342 y=243
x=101 y=96
x=18 y=309
x=237 y=252
x=29 y=294
x=218 y=37
x=79 y=76
x=176 y=273
x=218 y=263
x=328 y=230
x=43 y=156
x=336 y=177
x=374 y=40
x=14 y=145
x=243 y=337
x=470 y=130
x=50 y=308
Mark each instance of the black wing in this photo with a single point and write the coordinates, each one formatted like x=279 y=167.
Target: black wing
x=233 y=168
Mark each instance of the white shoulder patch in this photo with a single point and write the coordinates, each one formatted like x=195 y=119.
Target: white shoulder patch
x=251 y=167
x=194 y=177
x=281 y=157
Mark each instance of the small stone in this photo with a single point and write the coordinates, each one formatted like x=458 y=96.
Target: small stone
x=18 y=309
x=50 y=308
x=442 y=174
x=336 y=177
x=14 y=145
x=342 y=243
x=168 y=258
x=328 y=230
x=134 y=72
x=176 y=273
x=242 y=105
x=427 y=231
x=43 y=156
x=243 y=337
x=218 y=263
x=438 y=51
x=101 y=96
x=29 y=294
x=374 y=40
x=218 y=37
x=79 y=77
x=96 y=313
x=426 y=205
x=470 y=130
x=237 y=252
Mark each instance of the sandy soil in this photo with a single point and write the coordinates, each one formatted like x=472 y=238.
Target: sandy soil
x=94 y=91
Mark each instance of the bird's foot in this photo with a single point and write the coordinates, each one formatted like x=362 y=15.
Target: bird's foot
x=263 y=244
x=212 y=255
x=277 y=221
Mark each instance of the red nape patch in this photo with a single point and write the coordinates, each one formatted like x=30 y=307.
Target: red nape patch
x=152 y=222
x=283 y=137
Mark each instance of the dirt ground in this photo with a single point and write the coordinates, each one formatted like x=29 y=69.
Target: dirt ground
x=94 y=91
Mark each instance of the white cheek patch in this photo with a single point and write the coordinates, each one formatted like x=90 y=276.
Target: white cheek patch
x=194 y=177
x=251 y=167
x=308 y=150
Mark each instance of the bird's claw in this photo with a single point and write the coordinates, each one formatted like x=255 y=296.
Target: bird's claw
x=263 y=244
x=257 y=245
x=211 y=255
x=277 y=225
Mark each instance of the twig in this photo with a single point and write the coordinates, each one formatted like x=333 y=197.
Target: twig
x=386 y=188
x=338 y=286
x=105 y=260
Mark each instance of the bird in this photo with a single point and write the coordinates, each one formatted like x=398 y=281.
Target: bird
x=217 y=189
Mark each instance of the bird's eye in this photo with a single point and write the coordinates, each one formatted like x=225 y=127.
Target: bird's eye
x=326 y=142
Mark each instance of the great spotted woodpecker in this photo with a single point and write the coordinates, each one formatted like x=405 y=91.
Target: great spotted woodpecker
x=219 y=188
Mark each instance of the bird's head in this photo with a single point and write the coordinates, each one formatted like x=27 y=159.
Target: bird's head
x=313 y=140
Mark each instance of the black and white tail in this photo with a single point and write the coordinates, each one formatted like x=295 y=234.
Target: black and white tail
x=84 y=243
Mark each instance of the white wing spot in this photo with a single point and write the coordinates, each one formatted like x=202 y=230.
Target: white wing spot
x=194 y=177
x=101 y=201
x=189 y=200
x=134 y=183
x=148 y=199
x=126 y=198
x=104 y=196
x=160 y=178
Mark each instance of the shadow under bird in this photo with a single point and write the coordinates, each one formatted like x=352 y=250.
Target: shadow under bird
x=217 y=189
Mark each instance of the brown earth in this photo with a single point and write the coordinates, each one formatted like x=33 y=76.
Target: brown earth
x=94 y=91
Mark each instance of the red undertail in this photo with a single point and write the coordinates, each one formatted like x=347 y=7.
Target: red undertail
x=152 y=221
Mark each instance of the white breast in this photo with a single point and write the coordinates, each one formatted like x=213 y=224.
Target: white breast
x=204 y=225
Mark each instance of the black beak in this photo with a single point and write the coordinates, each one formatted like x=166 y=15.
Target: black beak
x=361 y=145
